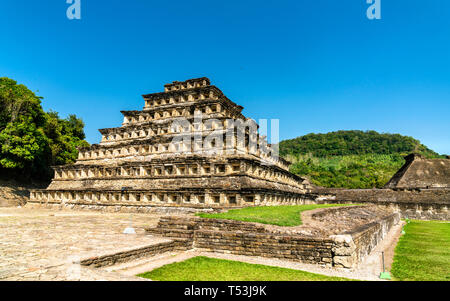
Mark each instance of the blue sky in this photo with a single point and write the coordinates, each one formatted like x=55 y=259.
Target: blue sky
x=317 y=65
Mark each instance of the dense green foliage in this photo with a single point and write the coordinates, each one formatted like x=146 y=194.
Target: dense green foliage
x=211 y=269
x=65 y=136
x=32 y=140
x=287 y=216
x=344 y=143
x=423 y=253
x=350 y=159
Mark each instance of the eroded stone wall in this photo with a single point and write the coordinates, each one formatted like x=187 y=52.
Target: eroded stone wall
x=241 y=238
x=146 y=200
x=308 y=250
x=125 y=256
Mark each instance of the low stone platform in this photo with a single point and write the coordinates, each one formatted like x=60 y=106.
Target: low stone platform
x=44 y=244
x=422 y=204
x=334 y=237
x=74 y=245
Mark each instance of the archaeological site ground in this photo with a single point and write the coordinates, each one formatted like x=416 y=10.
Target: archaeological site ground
x=189 y=189
x=208 y=149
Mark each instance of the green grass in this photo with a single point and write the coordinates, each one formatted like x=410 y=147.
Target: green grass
x=423 y=253
x=273 y=215
x=211 y=269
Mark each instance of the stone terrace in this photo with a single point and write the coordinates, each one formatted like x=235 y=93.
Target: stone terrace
x=86 y=245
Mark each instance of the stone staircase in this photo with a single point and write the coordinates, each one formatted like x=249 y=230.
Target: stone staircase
x=173 y=227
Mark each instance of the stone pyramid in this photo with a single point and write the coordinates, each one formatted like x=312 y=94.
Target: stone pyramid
x=189 y=147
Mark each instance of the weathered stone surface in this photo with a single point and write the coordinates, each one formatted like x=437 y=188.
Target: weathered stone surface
x=242 y=238
x=424 y=204
x=343 y=245
x=419 y=190
x=13 y=194
x=141 y=163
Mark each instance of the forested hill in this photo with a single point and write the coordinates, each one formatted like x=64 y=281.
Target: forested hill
x=350 y=159
x=344 y=143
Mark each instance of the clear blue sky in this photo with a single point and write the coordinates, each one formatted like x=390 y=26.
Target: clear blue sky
x=317 y=65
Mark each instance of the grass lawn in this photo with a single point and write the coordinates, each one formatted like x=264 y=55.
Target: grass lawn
x=212 y=269
x=423 y=253
x=273 y=215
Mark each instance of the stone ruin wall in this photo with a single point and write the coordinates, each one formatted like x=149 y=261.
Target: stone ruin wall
x=422 y=204
x=235 y=237
x=135 y=254
x=139 y=165
x=136 y=167
x=421 y=173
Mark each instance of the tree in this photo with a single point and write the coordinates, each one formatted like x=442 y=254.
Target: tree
x=350 y=159
x=18 y=101
x=32 y=140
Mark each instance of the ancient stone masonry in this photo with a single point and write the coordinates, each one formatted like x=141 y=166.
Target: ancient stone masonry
x=189 y=147
x=421 y=173
x=424 y=204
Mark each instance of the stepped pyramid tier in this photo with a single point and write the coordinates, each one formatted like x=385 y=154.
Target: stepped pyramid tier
x=421 y=173
x=190 y=146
